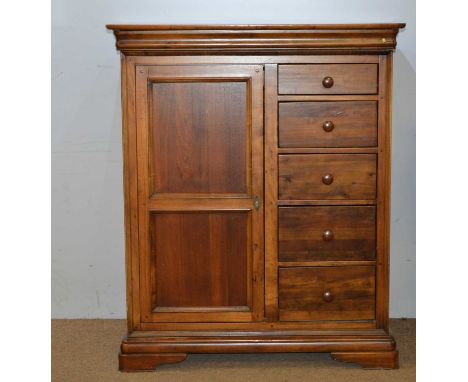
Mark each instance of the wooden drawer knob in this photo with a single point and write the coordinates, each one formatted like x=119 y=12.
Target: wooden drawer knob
x=327 y=82
x=327 y=179
x=328 y=235
x=327 y=296
x=328 y=126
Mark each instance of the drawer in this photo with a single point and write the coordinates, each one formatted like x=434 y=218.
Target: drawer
x=328 y=124
x=327 y=233
x=327 y=176
x=327 y=293
x=327 y=79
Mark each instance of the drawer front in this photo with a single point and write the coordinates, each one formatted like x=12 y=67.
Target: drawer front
x=328 y=79
x=328 y=124
x=327 y=233
x=327 y=176
x=327 y=293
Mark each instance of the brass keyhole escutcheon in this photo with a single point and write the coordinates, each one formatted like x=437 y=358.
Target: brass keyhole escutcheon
x=257 y=203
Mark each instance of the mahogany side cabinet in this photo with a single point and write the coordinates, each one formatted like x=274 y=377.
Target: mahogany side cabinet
x=257 y=190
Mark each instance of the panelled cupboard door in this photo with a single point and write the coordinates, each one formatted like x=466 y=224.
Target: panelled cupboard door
x=200 y=184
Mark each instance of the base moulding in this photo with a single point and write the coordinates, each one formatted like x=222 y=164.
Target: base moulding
x=145 y=351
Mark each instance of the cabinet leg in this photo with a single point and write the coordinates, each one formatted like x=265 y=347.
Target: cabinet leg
x=370 y=360
x=148 y=362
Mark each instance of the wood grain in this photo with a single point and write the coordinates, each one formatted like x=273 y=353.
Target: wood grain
x=301 y=293
x=369 y=360
x=326 y=202
x=300 y=176
x=227 y=327
x=301 y=231
x=271 y=193
x=266 y=341
x=327 y=97
x=301 y=124
x=252 y=59
x=383 y=189
x=325 y=263
x=196 y=263
x=307 y=79
x=198 y=137
x=328 y=150
x=253 y=27
x=259 y=39
x=129 y=141
x=127 y=198
x=179 y=177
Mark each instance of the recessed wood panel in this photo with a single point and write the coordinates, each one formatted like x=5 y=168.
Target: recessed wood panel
x=350 y=176
x=198 y=133
x=327 y=293
x=327 y=233
x=328 y=124
x=346 y=79
x=199 y=260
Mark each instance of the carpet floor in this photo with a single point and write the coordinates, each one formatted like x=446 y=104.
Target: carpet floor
x=86 y=350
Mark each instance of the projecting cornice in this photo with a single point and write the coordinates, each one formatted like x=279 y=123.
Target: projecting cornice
x=255 y=39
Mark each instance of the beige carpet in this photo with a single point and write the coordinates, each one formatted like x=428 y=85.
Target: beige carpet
x=86 y=350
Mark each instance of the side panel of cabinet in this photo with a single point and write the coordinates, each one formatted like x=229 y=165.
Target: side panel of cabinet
x=200 y=170
x=383 y=190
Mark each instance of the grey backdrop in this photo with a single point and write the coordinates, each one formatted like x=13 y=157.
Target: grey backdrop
x=87 y=206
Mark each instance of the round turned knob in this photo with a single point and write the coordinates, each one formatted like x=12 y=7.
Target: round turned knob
x=327 y=296
x=328 y=235
x=327 y=179
x=328 y=126
x=327 y=82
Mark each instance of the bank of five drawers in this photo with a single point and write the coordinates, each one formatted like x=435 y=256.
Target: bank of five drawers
x=327 y=201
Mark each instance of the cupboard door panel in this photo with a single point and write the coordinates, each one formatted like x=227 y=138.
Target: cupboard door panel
x=200 y=172
x=198 y=137
x=199 y=260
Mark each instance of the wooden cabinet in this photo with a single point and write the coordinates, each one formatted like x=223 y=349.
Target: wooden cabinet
x=256 y=163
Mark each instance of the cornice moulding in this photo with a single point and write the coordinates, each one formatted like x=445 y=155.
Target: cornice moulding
x=255 y=39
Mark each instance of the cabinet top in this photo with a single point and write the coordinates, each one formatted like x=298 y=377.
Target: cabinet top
x=255 y=39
